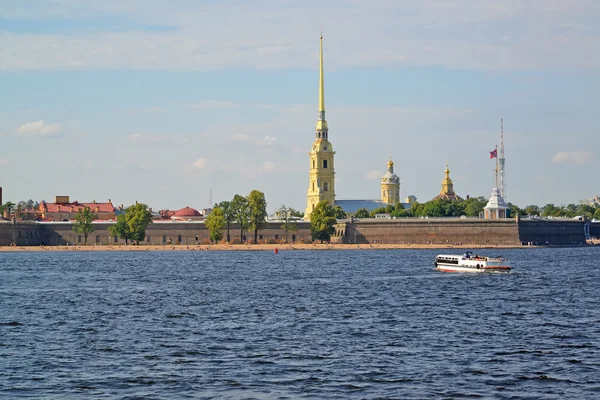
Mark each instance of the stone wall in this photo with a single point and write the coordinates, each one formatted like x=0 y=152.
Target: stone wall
x=187 y=233
x=595 y=230
x=22 y=234
x=441 y=231
x=551 y=232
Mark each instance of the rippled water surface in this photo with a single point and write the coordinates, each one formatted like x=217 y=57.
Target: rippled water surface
x=299 y=324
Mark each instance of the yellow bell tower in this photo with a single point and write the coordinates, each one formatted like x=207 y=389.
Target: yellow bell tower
x=321 y=176
x=390 y=185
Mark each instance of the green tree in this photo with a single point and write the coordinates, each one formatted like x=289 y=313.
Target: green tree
x=229 y=214
x=362 y=213
x=416 y=209
x=215 y=222
x=296 y=213
x=83 y=222
x=121 y=229
x=380 y=210
x=9 y=206
x=532 y=210
x=587 y=210
x=322 y=221
x=138 y=217
x=514 y=210
x=550 y=210
x=258 y=212
x=241 y=210
x=339 y=212
x=474 y=206
x=284 y=214
x=401 y=212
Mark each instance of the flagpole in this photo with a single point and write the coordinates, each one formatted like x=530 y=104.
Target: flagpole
x=496 y=165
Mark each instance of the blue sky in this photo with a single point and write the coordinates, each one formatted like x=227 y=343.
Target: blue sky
x=162 y=102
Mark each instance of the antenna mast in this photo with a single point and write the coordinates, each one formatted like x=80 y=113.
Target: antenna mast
x=501 y=159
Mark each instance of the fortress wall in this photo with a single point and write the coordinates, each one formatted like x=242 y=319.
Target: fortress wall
x=441 y=231
x=22 y=234
x=188 y=233
x=552 y=232
x=403 y=231
x=595 y=230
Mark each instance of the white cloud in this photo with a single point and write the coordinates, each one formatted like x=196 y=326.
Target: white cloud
x=240 y=137
x=269 y=140
x=38 y=128
x=201 y=163
x=374 y=175
x=575 y=157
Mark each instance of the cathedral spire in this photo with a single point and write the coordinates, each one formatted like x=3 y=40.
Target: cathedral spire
x=321 y=123
x=321 y=80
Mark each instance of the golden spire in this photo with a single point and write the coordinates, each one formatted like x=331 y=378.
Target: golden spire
x=390 y=165
x=321 y=83
x=321 y=123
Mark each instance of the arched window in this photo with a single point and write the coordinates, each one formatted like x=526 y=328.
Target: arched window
x=325 y=186
x=313 y=185
x=97 y=238
x=293 y=238
x=313 y=163
x=324 y=163
x=179 y=239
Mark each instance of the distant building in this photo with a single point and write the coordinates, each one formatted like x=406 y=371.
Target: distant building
x=496 y=206
x=187 y=214
x=64 y=210
x=447 y=190
x=390 y=185
x=594 y=200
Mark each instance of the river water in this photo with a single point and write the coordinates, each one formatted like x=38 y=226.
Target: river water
x=298 y=324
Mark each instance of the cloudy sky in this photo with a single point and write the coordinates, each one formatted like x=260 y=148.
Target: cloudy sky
x=163 y=101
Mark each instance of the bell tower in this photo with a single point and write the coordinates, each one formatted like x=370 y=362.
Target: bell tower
x=321 y=184
x=390 y=186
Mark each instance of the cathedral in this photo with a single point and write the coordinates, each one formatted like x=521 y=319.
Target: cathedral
x=321 y=185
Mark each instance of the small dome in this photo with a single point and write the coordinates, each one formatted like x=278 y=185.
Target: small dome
x=187 y=212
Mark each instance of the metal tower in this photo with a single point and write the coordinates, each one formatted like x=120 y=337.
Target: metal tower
x=501 y=159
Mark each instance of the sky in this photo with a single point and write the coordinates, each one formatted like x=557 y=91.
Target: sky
x=172 y=103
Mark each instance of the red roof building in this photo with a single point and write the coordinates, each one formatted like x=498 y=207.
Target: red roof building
x=63 y=210
x=187 y=214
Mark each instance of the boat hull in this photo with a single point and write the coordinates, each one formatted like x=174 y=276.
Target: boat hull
x=472 y=269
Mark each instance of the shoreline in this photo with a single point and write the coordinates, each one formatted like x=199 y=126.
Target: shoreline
x=260 y=247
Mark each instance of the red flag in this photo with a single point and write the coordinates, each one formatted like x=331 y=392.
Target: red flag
x=494 y=154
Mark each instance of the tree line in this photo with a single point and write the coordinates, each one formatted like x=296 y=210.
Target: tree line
x=250 y=212
x=473 y=207
x=130 y=225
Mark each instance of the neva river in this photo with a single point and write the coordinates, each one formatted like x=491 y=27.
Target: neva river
x=299 y=324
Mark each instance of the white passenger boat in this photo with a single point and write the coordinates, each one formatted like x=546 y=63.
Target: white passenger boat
x=471 y=263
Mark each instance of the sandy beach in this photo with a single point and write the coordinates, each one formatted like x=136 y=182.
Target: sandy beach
x=253 y=247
